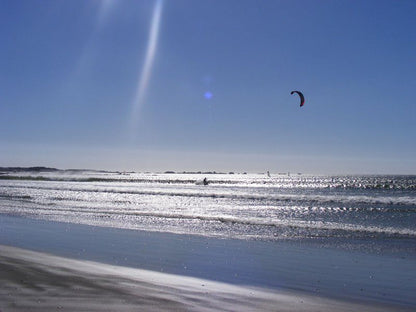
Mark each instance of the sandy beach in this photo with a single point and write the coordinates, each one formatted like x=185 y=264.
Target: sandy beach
x=33 y=281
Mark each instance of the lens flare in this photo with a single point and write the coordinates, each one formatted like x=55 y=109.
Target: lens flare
x=104 y=11
x=208 y=95
x=145 y=74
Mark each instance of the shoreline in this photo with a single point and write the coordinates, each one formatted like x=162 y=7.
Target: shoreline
x=303 y=269
x=34 y=281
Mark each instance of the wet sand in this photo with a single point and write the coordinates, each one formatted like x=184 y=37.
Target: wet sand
x=34 y=281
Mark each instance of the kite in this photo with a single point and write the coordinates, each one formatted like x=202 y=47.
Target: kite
x=302 y=98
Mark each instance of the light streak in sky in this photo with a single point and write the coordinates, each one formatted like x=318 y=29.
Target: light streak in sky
x=104 y=11
x=85 y=62
x=145 y=74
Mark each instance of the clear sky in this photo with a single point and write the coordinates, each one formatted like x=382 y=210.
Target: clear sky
x=205 y=85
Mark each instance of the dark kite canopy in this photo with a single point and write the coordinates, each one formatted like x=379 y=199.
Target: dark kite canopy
x=302 y=98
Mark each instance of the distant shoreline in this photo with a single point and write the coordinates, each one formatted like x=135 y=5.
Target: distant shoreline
x=43 y=169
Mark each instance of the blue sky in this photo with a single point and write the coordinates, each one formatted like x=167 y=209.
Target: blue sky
x=123 y=85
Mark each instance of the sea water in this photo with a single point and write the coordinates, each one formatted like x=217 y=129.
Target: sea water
x=370 y=212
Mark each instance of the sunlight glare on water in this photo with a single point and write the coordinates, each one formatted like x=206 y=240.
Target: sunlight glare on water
x=249 y=206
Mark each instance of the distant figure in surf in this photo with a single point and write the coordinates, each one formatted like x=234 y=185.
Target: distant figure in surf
x=202 y=182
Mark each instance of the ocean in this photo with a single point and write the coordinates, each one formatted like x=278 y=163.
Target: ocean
x=368 y=212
